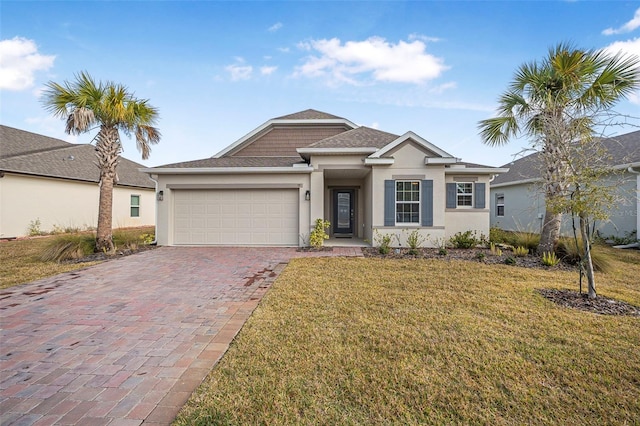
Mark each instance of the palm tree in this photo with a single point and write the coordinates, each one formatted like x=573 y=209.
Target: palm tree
x=555 y=102
x=85 y=105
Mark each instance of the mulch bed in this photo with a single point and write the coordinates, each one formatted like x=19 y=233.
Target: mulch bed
x=483 y=255
x=567 y=298
x=96 y=257
x=600 y=305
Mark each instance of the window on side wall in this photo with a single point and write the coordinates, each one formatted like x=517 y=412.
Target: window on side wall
x=135 y=206
x=500 y=205
x=408 y=201
x=464 y=194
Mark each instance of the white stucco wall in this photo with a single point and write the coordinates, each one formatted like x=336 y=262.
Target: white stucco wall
x=409 y=164
x=64 y=203
x=165 y=230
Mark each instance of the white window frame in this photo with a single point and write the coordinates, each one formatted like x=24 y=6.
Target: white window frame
x=499 y=204
x=132 y=206
x=411 y=202
x=464 y=194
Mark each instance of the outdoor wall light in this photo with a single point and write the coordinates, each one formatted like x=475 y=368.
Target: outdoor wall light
x=307 y=195
x=160 y=195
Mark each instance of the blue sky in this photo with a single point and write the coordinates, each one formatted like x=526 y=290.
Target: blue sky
x=217 y=70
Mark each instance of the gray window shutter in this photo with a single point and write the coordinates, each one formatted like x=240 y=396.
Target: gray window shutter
x=389 y=203
x=451 y=196
x=427 y=203
x=479 y=195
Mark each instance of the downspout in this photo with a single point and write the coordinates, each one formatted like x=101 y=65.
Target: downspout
x=155 y=233
x=637 y=173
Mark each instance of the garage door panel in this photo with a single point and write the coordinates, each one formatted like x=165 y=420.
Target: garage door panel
x=236 y=217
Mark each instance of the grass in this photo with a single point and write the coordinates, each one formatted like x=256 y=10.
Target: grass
x=375 y=341
x=22 y=262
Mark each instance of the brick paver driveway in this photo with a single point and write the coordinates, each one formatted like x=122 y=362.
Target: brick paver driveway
x=127 y=341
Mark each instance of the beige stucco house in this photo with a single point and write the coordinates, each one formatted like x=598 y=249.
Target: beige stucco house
x=56 y=183
x=518 y=203
x=270 y=186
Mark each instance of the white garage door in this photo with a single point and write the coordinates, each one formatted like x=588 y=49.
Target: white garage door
x=236 y=216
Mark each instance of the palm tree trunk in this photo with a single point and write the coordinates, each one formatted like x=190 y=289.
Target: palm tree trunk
x=104 y=237
x=586 y=261
x=550 y=231
x=107 y=150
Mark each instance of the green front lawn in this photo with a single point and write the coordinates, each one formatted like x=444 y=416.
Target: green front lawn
x=378 y=341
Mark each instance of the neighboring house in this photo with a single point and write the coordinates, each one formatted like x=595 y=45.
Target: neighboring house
x=56 y=182
x=270 y=186
x=517 y=199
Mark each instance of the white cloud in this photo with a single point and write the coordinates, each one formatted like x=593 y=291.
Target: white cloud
x=19 y=61
x=443 y=87
x=239 y=72
x=629 y=48
x=375 y=125
x=275 y=27
x=284 y=49
x=266 y=70
x=424 y=38
x=627 y=27
x=375 y=58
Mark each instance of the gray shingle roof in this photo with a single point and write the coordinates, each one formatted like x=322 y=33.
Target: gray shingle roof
x=623 y=149
x=309 y=114
x=237 y=162
x=361 y=137
x=29 y=153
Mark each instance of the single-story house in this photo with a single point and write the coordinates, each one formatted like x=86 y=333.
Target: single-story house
x=270 y=186
x=518 y=202
x=56 y=183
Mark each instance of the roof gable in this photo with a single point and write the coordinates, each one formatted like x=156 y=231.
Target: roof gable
x=303 y=121
x=408 y=137
x=309 y=114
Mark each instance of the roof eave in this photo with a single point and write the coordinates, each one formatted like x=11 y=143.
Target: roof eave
x=378 y=161
x=475 y=170
x=225 y=170
x=515 y=182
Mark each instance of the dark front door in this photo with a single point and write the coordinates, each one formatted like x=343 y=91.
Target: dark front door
x=343 y=213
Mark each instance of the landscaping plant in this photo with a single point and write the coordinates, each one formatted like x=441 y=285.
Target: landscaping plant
x=319 y=234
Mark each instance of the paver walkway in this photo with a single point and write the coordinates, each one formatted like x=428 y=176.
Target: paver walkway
x=126 y=342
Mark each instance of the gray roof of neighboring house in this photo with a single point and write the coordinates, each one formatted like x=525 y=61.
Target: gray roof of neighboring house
x=622 y=149
x=237 y=162
x=361 y=137
x=33 y=154
x=309 y=114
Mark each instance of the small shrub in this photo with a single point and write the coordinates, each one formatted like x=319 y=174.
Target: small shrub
x=499 y=236
x=443 y=251
x=566 y=249
x=383 y=241
x=34 y=228
x=520 y=251
x=464 y=240
x=510 y=261
x=528 y=240
x=495 y=250
x=68 y=247
x=480 y=256
x=415 y=240
x=550 y=259
x=318 y=235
